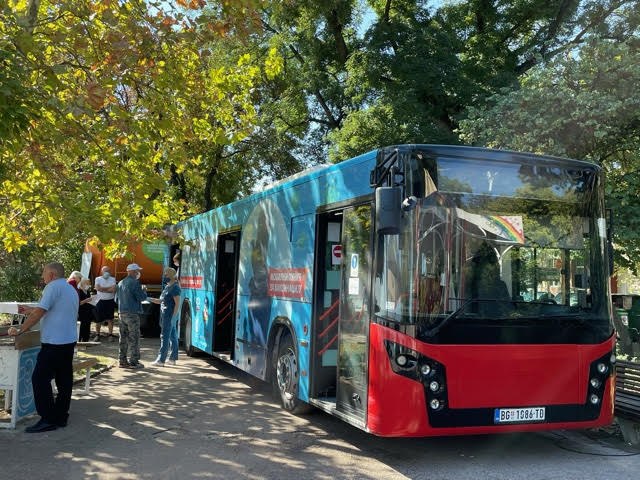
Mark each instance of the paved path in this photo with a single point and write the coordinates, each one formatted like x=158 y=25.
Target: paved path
x=203 y=419
x=191 y=420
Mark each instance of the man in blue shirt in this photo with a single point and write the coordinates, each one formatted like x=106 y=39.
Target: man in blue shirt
x=129 y=296
x=57 y=312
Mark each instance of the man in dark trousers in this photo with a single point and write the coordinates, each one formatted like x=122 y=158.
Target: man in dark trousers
x=57 y=312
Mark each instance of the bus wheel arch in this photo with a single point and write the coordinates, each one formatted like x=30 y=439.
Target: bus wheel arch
x=284 y=373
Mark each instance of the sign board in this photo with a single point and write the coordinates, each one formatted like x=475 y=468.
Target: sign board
x=85 y=265
x=336 y=255
x=191 y=281
x=355 y=265
x=287 y=282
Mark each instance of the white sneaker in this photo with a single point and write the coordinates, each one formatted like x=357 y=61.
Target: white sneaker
x=171 y=362
x=157 y=363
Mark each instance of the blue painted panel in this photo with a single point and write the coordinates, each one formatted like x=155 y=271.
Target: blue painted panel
x=26 y=364
x=202 y=302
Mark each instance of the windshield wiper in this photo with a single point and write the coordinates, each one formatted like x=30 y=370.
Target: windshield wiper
x=433 y=331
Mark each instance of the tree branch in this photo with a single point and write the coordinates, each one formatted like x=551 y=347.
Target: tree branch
x=32 y=15
x=336 y=28
x=553 y=29
x=387 y=9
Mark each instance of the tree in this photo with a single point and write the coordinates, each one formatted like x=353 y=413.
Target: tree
x=116 y=96
x=232 y=169
x=123 y=116
x=315 y=39
x=583 y=105
x=420 y=66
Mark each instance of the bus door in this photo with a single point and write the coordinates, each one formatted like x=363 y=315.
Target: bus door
x=226 y=280
x=354 y=311
x=324 y=362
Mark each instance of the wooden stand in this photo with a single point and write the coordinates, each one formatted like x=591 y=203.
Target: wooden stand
x=16 y=367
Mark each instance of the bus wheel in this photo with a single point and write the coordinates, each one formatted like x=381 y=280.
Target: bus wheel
x=188 y=346
x=287 y=377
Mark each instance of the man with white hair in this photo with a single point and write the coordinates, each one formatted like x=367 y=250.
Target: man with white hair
x=57 y=312
x=130 y=295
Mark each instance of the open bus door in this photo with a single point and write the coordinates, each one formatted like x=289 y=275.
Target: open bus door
x=341 y=311
x=354 y=312
x=226 y=280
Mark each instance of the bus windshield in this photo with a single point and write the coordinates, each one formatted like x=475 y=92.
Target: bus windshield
x=498 y=252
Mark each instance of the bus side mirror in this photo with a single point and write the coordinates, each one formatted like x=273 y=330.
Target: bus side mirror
x=388 y=208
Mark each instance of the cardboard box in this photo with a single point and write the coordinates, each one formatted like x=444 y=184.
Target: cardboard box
x=22 y=341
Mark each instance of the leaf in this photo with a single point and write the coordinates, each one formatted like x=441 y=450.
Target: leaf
x=95 y=95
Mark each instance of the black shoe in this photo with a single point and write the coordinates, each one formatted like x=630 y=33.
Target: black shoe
x=136 y=365
x=41 y=426
x=125 y=364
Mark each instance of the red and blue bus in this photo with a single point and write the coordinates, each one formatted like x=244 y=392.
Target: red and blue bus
x=415 y=290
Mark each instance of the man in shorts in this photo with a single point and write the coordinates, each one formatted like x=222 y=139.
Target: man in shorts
x=106 y=291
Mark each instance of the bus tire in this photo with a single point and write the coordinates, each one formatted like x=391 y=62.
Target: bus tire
x=188 y=346
x=287 y=377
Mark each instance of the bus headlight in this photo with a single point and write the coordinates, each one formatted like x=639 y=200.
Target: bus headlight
x=595 y=383
x=435 y=404
x=434 y=386
x=425 y=369
x=594 y=399
x=602 y=368
x=402 y=360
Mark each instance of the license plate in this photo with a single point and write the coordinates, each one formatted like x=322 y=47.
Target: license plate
x=513 y=415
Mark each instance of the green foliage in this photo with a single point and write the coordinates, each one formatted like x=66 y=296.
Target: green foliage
x=401 y=79
x=118 y=97
x=19 y=276
x=419 y=66
x=120 y=117
x=20 y=270
x=582 y=105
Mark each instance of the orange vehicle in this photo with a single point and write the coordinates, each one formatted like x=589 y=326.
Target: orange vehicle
x=151 y=256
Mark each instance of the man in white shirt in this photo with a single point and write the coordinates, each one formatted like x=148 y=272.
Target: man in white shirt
x=106 y=291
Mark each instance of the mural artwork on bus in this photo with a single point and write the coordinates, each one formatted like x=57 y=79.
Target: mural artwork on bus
x=265 y=247
x=202 y=327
